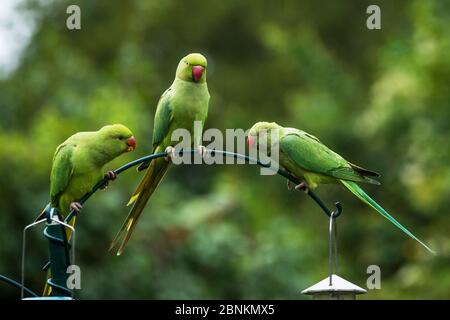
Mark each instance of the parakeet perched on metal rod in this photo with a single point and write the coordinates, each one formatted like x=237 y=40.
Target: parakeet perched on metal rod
x=78 y=165
x=183 y=103
x=306 y=157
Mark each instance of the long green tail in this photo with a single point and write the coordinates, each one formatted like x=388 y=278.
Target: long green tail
x=357 y=191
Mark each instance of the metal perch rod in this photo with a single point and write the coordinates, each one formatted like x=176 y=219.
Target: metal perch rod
x=250 y=160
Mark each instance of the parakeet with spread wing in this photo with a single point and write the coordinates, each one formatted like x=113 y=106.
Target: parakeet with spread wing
x=184 y=102
x=78 y=164
x=307 y=158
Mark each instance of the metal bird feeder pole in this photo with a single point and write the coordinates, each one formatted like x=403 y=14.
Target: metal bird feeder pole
x=59 y=255
x=58 y=249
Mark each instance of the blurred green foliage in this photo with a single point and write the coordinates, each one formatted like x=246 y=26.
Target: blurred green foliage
x=379 y=98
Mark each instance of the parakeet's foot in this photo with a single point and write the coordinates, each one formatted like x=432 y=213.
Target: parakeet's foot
x=111 y=175
x=289 y=184
x=170 y=153
x=76 y=206
x=302 y=186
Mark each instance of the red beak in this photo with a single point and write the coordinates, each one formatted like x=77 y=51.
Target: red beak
x=251 y=141
x=197 y=72
x=131 y=142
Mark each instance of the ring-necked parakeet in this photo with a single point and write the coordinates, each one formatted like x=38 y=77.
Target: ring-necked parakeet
x=78 y=164
x=184 y=102
x=307 y=158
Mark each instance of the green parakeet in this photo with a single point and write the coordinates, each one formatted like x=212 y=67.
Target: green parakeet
x=184 y=102
x=307 y=158
x=78 y=164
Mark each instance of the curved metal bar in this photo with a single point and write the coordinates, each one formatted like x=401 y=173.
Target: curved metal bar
x=118 y=171
x=250 y=160
x=18 y=285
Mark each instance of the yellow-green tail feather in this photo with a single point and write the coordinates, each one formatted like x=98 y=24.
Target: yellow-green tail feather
x=145 y=189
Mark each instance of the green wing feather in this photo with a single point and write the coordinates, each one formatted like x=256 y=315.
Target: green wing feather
x=163 y=119
x=62 y=171
x=311 y=155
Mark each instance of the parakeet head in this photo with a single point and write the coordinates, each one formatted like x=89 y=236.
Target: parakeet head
x=116 y=139
x=192 y=68
x=261 y=131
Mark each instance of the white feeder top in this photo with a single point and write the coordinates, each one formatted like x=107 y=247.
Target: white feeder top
x=338 y=285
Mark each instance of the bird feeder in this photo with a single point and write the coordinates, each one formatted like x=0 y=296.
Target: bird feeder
x=334 y=287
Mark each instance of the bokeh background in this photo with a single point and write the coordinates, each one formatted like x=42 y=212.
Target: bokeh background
x=380 y=98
